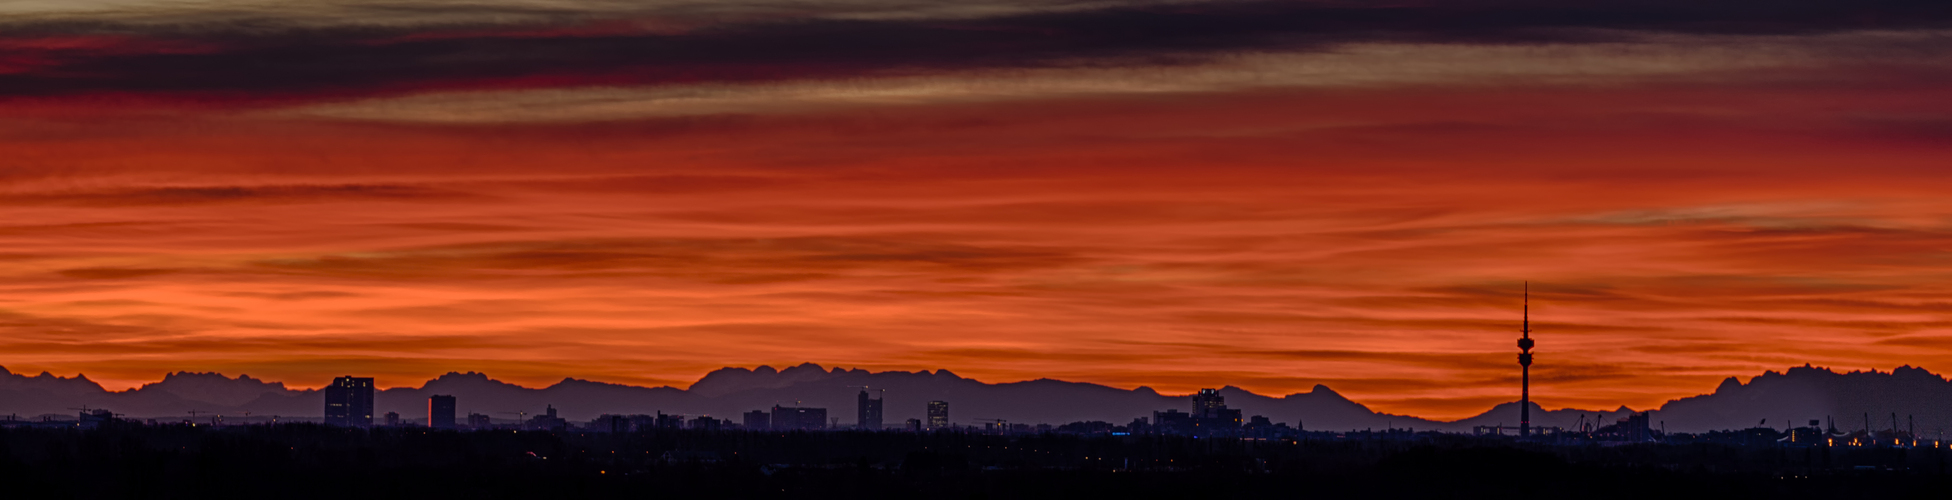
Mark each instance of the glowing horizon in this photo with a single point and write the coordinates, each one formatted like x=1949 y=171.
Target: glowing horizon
x=1268 y=195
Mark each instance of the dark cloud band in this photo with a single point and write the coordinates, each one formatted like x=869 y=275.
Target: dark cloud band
x=314 y=63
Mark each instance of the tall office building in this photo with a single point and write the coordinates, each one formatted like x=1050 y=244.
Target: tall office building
x=1211 y=415
x=867 y=414
x=440 y=411
x=1207 y=399
x=938 y=414
x=349 y=402
x=758 y=420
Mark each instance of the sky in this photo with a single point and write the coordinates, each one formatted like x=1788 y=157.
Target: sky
x=1173 y=194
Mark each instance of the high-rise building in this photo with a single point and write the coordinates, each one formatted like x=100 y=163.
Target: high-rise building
x=758 y=420
x=867 y=414
x=799 y=419
x=349 y=402
x=392 y=419
x=1211 y=415
x=938 y=415
x=1207 y=399
x=478 y=422
x=440 y=411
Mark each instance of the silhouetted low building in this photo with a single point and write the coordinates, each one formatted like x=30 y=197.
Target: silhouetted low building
x=641 y=423
x=1172 y=422
x=548 y=421
x=478 y=421
x=758 y=420
x=800 y=419
x=1092 y=427
x=610 y=423
x=91 y=419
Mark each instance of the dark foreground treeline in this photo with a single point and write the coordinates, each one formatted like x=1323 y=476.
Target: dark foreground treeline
x=311 y=461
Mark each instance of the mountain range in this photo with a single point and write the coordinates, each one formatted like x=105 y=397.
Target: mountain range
x=1852 y=400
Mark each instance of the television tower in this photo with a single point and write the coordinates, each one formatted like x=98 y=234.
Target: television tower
x=1525 y=368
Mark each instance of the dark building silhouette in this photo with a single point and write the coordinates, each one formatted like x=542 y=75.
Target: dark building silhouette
x=548 y=421
x=91 y=419
x=610 y=423
x=938 y=415
x=1207 y=399
x=1172 y=422
x=1211 y=415
x=392 y=419
x=1525 y=368
x=705 y=423
x=1637 y=427
x=440 y=412
x=478 y=421
x=349 y=402
x=799 y=419
x=758 y=420
x=867 y=414
x=640 y=423
x=914 y=425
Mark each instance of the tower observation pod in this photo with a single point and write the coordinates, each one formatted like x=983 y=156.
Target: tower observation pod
x=1525 y=368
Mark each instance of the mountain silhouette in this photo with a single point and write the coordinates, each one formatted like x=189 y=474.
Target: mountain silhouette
x=1797 y=395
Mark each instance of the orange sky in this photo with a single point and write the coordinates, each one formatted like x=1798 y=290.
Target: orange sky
x=1688 y=207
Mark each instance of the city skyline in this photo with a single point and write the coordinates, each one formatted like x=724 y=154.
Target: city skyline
x=1269 y=195
x=736 y=394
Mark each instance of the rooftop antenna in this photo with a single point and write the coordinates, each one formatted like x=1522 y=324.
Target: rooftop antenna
x=1525 y=368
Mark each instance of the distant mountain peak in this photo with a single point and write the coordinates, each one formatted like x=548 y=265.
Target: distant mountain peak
x=457 y=376
x=212 y=387
x=46 y=375
x=1729 y=385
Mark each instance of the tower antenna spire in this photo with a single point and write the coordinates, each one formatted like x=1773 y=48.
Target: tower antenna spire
x=1525 y=368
